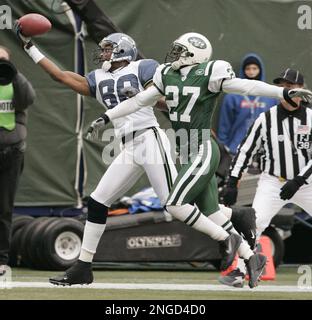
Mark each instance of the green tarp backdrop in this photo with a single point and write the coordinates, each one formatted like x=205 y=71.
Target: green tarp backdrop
x=234 y=27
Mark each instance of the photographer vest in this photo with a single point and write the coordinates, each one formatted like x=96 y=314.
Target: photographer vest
x=7 y=111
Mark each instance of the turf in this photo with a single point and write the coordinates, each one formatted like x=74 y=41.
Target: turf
x=285 y=276
x=92 y=294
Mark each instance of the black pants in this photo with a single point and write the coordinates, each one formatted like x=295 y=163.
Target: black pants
x=11 y=164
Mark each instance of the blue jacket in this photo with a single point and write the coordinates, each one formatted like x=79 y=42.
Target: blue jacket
x=237 y=112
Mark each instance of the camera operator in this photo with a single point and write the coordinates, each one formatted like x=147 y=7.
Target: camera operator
x=16 y=94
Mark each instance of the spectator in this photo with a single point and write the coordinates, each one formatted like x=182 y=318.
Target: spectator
x=238 y=112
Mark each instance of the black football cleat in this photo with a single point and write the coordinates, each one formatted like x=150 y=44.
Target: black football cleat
x=79 y=273
x=228 y=249
x=255 y=266
x=244 y=221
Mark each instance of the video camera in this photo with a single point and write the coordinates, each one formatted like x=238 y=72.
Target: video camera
x=7 y=72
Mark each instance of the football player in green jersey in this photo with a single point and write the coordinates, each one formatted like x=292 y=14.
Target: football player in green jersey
x=191 y=83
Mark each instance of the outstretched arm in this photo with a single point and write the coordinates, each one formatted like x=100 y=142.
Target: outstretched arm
x=72 y=80
x=252 y=87
x=145 y=98
x=223 y=79
x=259 y=88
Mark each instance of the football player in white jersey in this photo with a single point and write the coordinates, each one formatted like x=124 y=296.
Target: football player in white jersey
x=142 y=141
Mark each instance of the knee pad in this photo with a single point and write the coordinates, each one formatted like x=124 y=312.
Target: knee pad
x=97 y=212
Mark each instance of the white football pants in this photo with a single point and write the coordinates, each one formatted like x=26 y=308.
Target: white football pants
x=267 y=201
x=150 y=153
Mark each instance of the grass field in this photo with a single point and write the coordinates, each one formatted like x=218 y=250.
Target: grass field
x=151 y=285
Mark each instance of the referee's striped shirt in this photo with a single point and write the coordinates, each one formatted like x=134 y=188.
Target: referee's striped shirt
x=285 y=141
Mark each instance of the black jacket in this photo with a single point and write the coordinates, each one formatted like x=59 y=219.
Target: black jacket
x=24 y=96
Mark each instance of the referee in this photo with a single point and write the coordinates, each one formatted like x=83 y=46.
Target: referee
x=283 y=134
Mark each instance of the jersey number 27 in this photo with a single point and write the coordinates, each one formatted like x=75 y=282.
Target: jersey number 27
x=172 y=100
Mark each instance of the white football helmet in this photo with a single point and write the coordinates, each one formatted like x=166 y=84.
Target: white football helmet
x=190 y=48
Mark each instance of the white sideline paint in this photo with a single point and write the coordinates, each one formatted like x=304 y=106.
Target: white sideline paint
x=163 y=286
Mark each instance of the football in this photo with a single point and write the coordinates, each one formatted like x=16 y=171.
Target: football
x=34 y=24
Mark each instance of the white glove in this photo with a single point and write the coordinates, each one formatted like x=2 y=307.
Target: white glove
x=96 y=126
x=26 y=41
x=27 y=44
x=305 y=94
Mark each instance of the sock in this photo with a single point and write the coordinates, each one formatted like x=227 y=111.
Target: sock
x=226 y=211
x=241 y=265
x=195 y=219
x=220 y=219
x=91 y=237
x=244 y=250
x=85 y=256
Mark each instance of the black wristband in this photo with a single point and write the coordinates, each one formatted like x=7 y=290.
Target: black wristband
x=29 y=45
x=288 y=99
x=105 y=118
